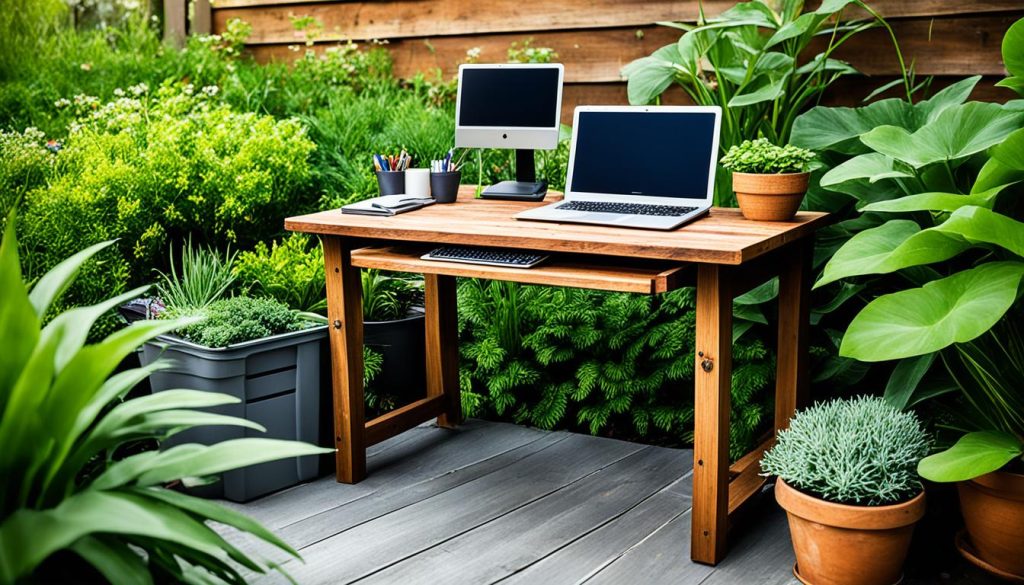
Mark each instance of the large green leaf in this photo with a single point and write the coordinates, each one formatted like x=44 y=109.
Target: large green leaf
x=1011 y=151
x=30 y=536
x=948 y=97
x=190 y=459
x=51 y=285
x=1013 y=49
x=937 y=201
x=956 y=133
x=826 y=128
x=114 y=559
x=904 y=379
x=922 y=320
x=867 y=251
x=19 y=325
x=217 y=513
x=649 y=77
x=974 y=455
x=872 y=166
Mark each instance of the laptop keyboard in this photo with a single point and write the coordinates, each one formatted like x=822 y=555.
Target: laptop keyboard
x=626 y=208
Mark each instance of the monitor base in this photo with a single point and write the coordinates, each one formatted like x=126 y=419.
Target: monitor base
x=516 y=191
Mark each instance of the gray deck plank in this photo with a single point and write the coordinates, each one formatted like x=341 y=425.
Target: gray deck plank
x=368 y=547
x=663 y=558
x=427 y=452
x=760 y=551
x=325 y=524
x=586 y=556
x=544 y=526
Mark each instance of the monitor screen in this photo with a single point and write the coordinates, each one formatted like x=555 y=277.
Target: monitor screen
x=509 y=97
x=660 y=154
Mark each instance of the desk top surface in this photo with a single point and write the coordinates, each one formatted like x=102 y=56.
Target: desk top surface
x=721 y=237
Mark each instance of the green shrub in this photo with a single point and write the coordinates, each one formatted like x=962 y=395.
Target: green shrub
x=25 y=163
x=762 y=157
x=291 y=271
x=597 y=361
x=859 y=451
x=237 y=319
x=78 y=472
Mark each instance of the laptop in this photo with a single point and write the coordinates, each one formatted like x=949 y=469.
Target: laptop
x=650 y=167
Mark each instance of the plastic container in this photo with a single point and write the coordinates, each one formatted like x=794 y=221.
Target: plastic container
x=278 y=383
x=391 y=182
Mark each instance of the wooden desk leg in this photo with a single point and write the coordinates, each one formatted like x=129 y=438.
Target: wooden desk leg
x=792 y=388
x=443 y=346
x=345 y=316
x=713 y=374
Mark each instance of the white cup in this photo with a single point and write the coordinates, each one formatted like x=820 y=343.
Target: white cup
x=417 y=182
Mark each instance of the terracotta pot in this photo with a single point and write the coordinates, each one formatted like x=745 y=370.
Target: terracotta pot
x=770 y=197
x=838 y=544
x=993 y=508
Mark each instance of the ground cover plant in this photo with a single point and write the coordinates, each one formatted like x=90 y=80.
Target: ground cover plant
x=82 y=486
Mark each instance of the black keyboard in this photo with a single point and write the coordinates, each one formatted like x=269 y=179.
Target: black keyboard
x=626 y=208
x=488 y=256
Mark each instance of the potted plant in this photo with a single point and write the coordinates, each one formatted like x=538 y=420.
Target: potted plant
x=988 y=463
x=394 y=327
x=292 y=271
x=770 y=181
x=255 y=349
x=849 y=485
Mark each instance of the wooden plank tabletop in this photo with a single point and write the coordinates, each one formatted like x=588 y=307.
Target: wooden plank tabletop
x=721 y=237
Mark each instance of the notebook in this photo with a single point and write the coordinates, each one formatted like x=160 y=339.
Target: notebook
x=387 y=205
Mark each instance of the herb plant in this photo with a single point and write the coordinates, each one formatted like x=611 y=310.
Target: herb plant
x=291 y=271
x=237 y=319
x=764 y=158
x=858 y=451
x=74 y=473
x=204 y=276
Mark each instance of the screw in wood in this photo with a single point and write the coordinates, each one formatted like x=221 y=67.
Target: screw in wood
x=337 y=323
x=707 y=365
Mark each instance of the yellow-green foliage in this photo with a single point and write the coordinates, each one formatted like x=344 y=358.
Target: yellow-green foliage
x=148 y=166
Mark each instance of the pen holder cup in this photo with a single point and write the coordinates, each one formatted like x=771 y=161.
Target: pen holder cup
x=444 y=187
x=391 y=182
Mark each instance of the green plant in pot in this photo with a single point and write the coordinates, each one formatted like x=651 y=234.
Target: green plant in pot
x=770 y=181
x=256 y=349
x=848 y=481
x=83 y=497
x=987 y=463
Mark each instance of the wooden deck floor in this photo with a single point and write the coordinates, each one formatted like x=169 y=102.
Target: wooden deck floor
x=499 y=503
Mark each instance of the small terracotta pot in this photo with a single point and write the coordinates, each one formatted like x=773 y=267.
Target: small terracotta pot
x=993 y=508
x=770 y=197
x=838 y=544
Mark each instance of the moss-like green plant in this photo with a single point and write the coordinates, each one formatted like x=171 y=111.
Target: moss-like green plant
x=764 y=158
x=859 y=451
x=239 y=319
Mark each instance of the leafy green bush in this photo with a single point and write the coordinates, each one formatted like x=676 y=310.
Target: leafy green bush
x=26 y=163
x=598 y=361
x=859 y=451
x=237 y=319
x=762 y=157
x=291 y=271
x=145 y=168
x=74 y=473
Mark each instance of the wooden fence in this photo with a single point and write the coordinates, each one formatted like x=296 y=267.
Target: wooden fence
x=595 y=38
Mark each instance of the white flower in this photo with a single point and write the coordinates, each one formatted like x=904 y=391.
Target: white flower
x=211 y=90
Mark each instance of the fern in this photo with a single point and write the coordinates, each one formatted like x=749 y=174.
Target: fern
x=610 y=363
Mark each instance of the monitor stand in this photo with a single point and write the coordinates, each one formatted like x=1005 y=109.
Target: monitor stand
x=526 y=187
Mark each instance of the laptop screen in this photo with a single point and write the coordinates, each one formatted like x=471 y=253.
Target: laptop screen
x=658 y=154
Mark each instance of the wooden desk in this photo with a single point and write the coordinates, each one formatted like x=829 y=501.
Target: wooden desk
x=723 y=254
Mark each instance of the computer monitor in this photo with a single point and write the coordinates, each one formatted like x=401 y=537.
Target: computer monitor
x=515 y=106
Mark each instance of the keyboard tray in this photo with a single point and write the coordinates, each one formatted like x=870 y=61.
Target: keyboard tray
x=572 y=270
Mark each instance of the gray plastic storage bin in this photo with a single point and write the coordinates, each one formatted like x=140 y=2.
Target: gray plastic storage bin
x=277 y=380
